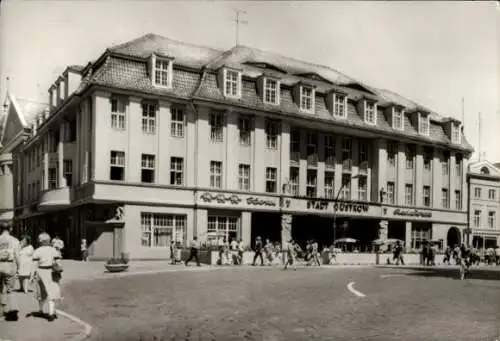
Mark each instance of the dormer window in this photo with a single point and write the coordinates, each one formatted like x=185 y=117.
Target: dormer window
x=271 y=91
x=397 y=118
x=162 y=72
x=232 y=83
x=455 y=133
x=370 y=112
x=423 y=124
x=339 y=105
x=306 y=98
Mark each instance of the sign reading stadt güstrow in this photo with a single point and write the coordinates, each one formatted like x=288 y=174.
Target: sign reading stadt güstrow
x=337 y=206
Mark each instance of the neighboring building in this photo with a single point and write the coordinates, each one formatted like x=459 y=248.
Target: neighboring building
x=484 y=204
x=159 y=140
x=16 y=125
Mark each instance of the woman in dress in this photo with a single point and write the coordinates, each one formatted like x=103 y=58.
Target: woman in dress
x=47 y=259
x=25 y=263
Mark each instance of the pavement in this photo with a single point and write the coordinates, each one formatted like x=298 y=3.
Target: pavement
x=69 y=327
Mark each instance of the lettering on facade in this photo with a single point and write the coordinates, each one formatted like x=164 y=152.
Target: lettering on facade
x=350 y=207
x=317 y=204
x=260 y=202
x=220 y=198
x=412 y=213
x=337 y=206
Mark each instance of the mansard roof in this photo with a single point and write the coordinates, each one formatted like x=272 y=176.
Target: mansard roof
x=184 y=54
x=126 y=67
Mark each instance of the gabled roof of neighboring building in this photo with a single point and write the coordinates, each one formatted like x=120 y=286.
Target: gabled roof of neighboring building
x=24 y=113
x=484 y=168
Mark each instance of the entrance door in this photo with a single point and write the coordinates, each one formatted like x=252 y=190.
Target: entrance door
x=453 y=237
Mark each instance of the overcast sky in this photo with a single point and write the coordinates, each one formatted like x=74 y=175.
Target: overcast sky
x=432 y=53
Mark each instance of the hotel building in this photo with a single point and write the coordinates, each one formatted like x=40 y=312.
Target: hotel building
x=159 y=140
x=484 y=204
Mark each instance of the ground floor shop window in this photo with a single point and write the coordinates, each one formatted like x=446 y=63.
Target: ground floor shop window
x=419 y=235
x=159 y=229
x=221 y=226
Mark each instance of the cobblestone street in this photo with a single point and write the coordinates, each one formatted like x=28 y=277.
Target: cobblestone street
x=271 y=304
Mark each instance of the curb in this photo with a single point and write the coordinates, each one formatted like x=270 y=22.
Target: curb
x=207 y=268
x=87 y=328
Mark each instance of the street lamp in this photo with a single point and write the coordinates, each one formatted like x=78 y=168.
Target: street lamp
x=334 y=213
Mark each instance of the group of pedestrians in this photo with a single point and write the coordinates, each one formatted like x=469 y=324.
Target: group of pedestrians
x=230 y=253
x=268 y=253
x=39 y=268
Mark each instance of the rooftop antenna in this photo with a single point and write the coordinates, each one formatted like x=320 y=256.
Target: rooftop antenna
x=463 y=110
x=239 y=21
x=7 y=80
x=479 y=137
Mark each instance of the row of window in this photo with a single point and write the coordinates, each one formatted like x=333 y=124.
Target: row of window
x=272 y=131
x=427 y=196
x=478 y=193
x=33 y=189
x=306 y=102
x=117 y=172
x=158 y=230
x=410 y=153
x=149 y=116
x=329 y=150
x=491 y=219
x=232 y=87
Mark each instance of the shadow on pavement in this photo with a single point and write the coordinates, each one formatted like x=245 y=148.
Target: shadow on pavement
x=453 y=273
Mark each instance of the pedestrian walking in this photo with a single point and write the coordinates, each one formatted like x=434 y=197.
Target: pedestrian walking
x=47 y=276
x=290 y=255
x=84 y=250
x=241 y=250
x=268 y=251
x=9 y=264
x=193 y=253
x=258 y=252
x=314 y=253
x=25 y=271
x=398 y=253
x=173 y=252
x=447 y=255
x=58 y=244
x=497 y=254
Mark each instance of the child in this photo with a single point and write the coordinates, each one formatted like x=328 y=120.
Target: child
x=83 y=250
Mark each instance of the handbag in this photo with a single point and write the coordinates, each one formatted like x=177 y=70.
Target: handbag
x=56 y=272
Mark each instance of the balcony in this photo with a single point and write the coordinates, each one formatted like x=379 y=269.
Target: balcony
x=54 y=198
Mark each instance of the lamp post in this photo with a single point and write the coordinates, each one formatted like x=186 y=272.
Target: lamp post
x=284 y=220
x=335 y=213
